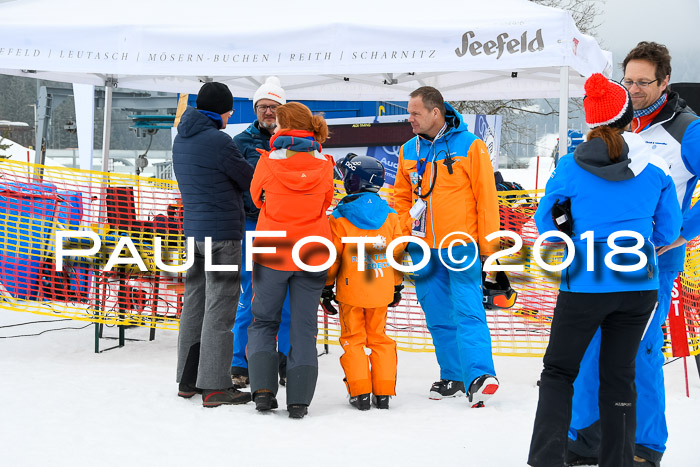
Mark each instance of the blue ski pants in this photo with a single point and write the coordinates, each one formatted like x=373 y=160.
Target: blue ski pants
x=454 y=312
x=244 y=316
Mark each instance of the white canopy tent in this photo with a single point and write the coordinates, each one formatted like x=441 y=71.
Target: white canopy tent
x=360 y=50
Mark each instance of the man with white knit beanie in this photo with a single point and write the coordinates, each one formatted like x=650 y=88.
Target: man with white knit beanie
x=266 y=99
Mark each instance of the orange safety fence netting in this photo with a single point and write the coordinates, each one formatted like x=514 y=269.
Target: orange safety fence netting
x=142 y=218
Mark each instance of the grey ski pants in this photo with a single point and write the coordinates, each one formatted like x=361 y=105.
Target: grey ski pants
x=205 y=341
x=269 y=290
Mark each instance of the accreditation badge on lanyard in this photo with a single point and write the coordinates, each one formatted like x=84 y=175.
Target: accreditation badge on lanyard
x=419 y=215
x=419 y=211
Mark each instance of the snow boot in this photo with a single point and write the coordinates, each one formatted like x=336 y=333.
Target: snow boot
x=228 y=396
x=360 y=402
x=240 y=381
x=297 y=410
x=446 y=388
x=381 y=402
x=264 y=400
x=186 y=390
x=481 y=389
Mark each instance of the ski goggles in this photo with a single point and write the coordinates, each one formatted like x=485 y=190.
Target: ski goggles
x=500 y=298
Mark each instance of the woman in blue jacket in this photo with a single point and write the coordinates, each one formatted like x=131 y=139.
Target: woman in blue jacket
x=617 y=203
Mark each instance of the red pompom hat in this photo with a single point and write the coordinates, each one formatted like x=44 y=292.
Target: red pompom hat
x=606 y=103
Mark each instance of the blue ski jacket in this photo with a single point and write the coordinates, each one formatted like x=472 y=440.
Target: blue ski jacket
x=636 y=193
x=248 y=142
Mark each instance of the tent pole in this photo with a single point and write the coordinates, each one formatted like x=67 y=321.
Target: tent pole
x=108 y=124
x=563 y=110
x=43 y=117
x=84 y=97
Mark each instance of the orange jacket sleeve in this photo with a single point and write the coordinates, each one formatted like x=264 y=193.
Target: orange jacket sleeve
x=339 y=245
x=329 y=194
x=259 y=177
x=403 y=196
x=484 y=188
x=398 y=253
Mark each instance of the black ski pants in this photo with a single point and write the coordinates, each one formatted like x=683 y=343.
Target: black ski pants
x=622 y=317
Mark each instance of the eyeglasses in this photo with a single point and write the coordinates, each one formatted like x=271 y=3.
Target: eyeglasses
x=628 y=83
x=265 y=108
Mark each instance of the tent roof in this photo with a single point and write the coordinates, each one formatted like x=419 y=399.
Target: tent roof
x=360 y=50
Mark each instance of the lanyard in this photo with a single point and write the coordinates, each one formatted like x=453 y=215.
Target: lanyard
x=420 y=166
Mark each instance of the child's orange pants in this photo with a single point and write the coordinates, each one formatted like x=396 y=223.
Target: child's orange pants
x=360 y=328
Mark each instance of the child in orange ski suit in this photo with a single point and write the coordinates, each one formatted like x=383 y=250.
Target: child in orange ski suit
x=363 y=296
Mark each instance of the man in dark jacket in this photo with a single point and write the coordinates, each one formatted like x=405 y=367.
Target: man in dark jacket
x=212 y=176
x=672 y=131
x=266 y=99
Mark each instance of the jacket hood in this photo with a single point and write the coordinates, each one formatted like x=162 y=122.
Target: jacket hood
x=592 y=156
x=194 y=122
x=454 y=119
x=294 y=143
x=363 y=210
x=295 y=160
x=674 y=103
x=298 y=171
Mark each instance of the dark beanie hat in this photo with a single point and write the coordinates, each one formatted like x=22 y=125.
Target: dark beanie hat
x=606 y=103
x=215 y=97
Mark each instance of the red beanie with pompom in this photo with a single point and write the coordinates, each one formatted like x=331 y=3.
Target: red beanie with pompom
x=606 y=103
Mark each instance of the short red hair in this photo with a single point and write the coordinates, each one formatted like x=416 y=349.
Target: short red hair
x=296 y=116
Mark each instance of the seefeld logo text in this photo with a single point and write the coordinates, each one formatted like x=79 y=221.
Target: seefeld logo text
x=500 y=44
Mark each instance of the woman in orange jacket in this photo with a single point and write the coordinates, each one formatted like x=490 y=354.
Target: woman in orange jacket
x=363 y=295
x=293 y=187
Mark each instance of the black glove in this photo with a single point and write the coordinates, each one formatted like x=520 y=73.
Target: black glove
x=561 y=215
x=327 y=296
x=397 y=295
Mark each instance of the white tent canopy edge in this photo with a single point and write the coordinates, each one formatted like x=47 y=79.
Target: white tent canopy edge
x=364 y=51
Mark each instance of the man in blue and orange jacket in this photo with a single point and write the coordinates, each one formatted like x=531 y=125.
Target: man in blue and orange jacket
x=445 y=186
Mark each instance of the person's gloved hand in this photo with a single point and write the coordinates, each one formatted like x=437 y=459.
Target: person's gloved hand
x=327 y=296
x=397 y=295
x=561 y=215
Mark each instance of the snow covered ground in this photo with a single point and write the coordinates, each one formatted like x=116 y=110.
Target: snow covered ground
x=64 y=405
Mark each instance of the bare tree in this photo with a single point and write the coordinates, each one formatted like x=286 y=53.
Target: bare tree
x=517 y=112
x=586 y=13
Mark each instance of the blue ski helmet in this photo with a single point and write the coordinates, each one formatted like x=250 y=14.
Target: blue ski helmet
x=361 y=173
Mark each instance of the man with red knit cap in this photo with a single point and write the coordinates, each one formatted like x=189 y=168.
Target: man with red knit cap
x=671 y=131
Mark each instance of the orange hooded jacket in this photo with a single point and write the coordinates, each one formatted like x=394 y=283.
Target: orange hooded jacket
x=293 y=190
x=366 y=215
x=463 y=198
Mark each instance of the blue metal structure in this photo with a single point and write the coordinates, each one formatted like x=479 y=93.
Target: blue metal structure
x=244 y=112
x=575 y=138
